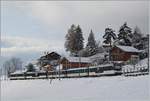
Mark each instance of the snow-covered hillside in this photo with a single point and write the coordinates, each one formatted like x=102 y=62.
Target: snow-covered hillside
x=78 y=89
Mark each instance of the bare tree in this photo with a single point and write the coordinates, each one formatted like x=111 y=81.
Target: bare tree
x=12 y=65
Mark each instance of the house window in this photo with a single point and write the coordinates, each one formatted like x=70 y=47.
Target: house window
x=115 y=57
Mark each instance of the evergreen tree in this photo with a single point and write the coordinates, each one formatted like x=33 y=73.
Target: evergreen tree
x=136 y=37
x=109 y=35
x=91 y=45
x=70 y=38
x=79 y=39
x=30 y=67
x=125 y=35
x=74 y=40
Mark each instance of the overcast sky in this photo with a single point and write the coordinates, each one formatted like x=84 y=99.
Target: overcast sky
x=29 y=28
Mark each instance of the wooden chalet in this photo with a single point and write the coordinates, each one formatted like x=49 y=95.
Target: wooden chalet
x=124 y=53
x=50 y=56
x=75 y=62
x=49 y=60
x=48 y=68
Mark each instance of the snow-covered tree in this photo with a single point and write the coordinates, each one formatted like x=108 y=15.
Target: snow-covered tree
x=70 y=39
x=74 y=40
x=91 y=46
x=109 y=35
x=136 y=37
x=125 y=34
x=100 y=49
x=144 y=45
x=79 y=39
x=30 y=67
x=84 y=53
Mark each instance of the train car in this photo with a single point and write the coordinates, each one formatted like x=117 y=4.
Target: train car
x=100 y=70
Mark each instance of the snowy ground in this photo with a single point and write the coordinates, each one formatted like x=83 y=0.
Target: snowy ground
x=143 y=64
x=83 y=89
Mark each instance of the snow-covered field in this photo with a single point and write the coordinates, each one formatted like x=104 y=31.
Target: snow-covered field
x=78 y=89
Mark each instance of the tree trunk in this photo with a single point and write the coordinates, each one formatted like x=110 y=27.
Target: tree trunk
x=109 y=52
x=148 y=53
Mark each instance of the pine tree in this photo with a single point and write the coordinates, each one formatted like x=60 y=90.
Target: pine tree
x=139 y=41
x=136 y=37
x=79 y=39
x=74 y=40
x=69 y=38
x=30 y=67
x=125 y=34
x=109 y=35
x=91 y=45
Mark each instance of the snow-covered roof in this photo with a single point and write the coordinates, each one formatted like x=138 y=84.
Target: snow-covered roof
x=99 y=55
x=76 y=68
x=128 y=48
x=104 y=44
x=34 y=62
x=47 y=66
x=118 y=61
x=19 y=71
x=98 y=66
x=78 y=59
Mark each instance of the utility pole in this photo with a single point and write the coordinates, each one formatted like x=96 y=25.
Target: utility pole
x=148 y=53
x=88 y=71
x=79 y=63
x=59 y=69
x=0 y=69
x=66 y=67
x=0 y=82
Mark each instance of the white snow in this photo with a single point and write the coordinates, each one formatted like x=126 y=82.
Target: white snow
x=79 y=59
x=128 y=48
x=102 y=66
x=109 y=72
x=19 y=71
x=98 y=56
x=78 y=89
x=143 y=64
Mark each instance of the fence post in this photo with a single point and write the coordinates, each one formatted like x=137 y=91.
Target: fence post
x=59 y=71
x=24 y=75
x=88 y=71
x=46 y=74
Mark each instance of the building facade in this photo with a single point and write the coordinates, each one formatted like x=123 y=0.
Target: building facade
x=124 y=53
x=75 y=62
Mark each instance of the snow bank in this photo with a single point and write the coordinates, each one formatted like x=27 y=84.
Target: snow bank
x=19 y=71
x=143 y=64
x=83 y=89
